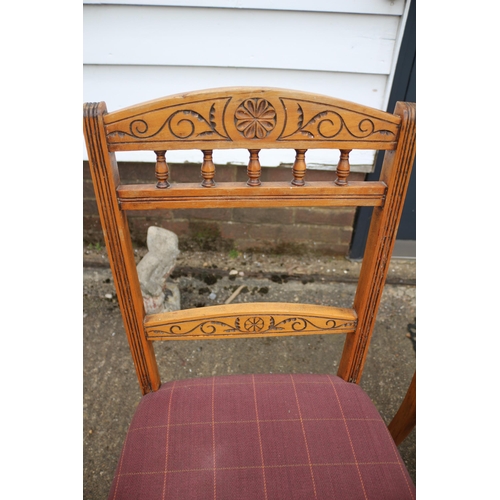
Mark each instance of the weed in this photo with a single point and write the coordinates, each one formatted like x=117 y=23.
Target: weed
x=96 y=246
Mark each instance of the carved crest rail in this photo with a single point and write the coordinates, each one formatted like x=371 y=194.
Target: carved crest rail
x=249 y=118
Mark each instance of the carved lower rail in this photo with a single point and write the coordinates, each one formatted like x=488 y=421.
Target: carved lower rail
x=256 y=319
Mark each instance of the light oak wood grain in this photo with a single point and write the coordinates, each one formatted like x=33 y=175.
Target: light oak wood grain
x=260 y=319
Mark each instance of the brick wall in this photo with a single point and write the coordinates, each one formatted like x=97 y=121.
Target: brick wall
x=325 y=231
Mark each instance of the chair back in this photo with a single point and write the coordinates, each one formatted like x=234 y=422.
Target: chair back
x=253 y=119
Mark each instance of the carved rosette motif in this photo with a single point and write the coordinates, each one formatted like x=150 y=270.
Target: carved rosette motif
x=252 y=325
x=255 y=118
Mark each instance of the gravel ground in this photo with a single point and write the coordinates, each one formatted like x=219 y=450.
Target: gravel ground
x=111 y=391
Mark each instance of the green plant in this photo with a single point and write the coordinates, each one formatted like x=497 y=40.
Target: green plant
x=233 y=254
x=96 y=246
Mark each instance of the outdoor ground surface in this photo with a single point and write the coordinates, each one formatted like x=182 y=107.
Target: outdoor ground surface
x=111 y=391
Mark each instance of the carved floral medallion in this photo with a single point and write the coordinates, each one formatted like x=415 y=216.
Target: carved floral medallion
x=254 y=324
x=255 y=118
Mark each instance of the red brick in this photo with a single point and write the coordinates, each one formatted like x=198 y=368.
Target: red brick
x=276 y=174
x=330 y=175
x=225 y=173
x=137 y=172
x=331 y=234
x=357 y=176
x=88 y=189
x=192 y=173
x=292 y=233
x=268 y=174
x=139 y=229
x=268 y=232
x=319 y=175
x=216 y=214
x=179 y=227
x=235 y=230
x=325 y=216
x=263 y=215
x=187 y=172
x=86 y=170
x=155 y=214
x=295 y=233
x=241 y=173
x=92 y=231
x=90 y=207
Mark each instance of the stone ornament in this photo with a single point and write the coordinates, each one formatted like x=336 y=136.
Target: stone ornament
x=154 y=269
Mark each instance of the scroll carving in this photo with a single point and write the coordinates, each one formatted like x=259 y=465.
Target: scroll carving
x=316 y=121
x=249 y=325
x=194 y=121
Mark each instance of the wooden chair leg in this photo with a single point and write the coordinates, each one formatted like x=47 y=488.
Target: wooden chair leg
x=406 y=417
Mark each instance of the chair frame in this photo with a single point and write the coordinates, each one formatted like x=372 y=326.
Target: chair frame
x=254 y=119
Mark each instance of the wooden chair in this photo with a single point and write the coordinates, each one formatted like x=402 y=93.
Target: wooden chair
x=255 y=436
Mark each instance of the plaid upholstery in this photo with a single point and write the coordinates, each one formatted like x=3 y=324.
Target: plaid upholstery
x=290 y=437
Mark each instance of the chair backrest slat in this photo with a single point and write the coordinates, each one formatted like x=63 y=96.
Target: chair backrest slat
x=247 y=320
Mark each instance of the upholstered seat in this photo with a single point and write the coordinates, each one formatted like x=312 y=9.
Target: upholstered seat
x=252 y=437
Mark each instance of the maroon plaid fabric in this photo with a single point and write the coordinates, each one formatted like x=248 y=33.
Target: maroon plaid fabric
x=252 y=437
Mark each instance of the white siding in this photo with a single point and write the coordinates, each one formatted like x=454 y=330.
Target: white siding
x=133 y=53
x=392 y=7
x=179 y=36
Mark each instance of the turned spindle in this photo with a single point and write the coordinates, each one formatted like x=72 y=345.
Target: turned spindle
x=253 y=170
x=161 y=170
x=343 y=168
x=299 y=167
x=208 y=169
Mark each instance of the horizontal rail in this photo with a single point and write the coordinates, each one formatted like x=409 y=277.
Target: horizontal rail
x=239 y=195
x=175 y=145
x=257 y=319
